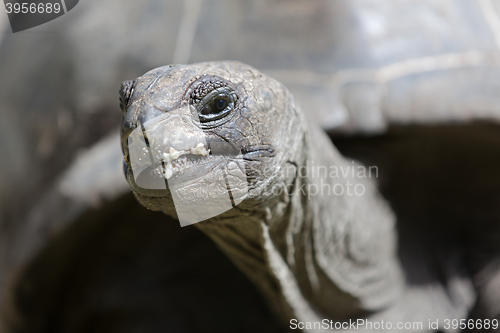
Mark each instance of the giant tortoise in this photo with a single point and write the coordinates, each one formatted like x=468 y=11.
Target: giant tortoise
x=406 y=89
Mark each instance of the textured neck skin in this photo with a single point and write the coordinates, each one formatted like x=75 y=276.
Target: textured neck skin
x=316 y=255
x=311 y=255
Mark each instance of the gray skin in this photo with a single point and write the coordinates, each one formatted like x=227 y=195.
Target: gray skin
x=359 y=64
x=313 y=255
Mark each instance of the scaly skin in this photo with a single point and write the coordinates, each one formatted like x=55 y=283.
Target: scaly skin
x=312 y=255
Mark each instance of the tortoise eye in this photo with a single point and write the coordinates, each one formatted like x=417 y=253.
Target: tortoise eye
x=220 y=103
x=216 y=104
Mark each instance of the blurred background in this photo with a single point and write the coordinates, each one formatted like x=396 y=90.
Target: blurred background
x=409 y=85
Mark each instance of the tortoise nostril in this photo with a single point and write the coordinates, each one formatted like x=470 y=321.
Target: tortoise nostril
x=126 y=90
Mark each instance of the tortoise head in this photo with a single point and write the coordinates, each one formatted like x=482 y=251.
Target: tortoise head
x=201 y=139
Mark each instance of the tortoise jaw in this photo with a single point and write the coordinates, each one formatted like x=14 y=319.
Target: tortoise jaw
x=153 y=186
x=205 y=189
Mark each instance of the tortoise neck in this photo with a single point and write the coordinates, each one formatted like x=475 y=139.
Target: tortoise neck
x=317 y=250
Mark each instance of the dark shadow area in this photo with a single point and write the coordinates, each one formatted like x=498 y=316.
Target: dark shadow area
x=443 y=182
x=127 y=269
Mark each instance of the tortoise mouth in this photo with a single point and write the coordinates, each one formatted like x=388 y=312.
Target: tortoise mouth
x=210 y=169
x=156 y=180
x=178 y=168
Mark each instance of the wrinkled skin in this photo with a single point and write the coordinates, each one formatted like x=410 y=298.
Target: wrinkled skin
x=274 y=226
x=161 y=98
